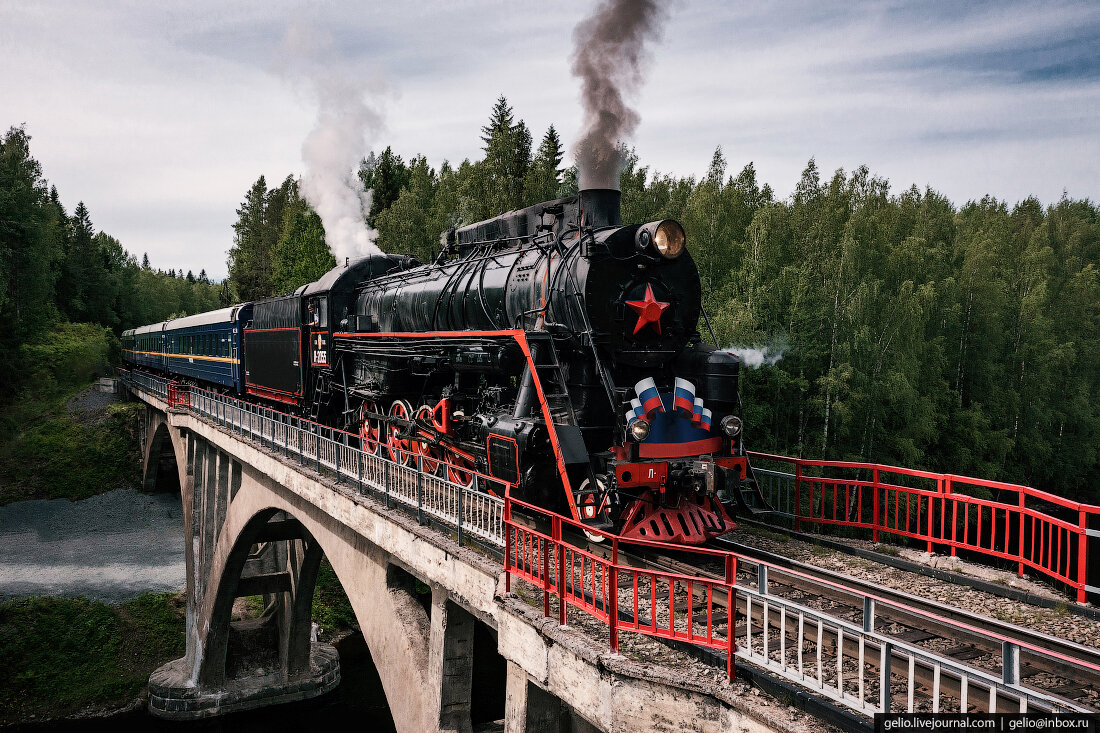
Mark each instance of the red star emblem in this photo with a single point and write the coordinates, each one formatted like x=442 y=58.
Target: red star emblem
x=648 y=310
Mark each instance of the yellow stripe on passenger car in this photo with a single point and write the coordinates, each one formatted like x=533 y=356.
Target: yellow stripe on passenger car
x=224 y=359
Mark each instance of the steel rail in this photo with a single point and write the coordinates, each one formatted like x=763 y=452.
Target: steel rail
x=933 y=673
x=1060 y=655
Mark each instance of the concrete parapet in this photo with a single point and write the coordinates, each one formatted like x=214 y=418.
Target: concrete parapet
x=173 y=695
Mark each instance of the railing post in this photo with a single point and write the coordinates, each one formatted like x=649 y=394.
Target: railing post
x=317 y=442
x=954 y=514
x=419 y=489
x=1082 y=555
x=731 y=616
x=798 y=496
x=612 y=600
x=546 y=573
x=877 y=508
x=559 y=555
x=1010 y=663
x=1020 y=564
x=461 y=491
x=339 y=478
x=386 y=480
x=359 y=469
x=886 y=654
x=301 y=457
x=507 y=544
x=762 y=579
x=868 y=614
x=932 y=511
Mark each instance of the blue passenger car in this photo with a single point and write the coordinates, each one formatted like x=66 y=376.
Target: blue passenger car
x=144 y=346
x=207 y=347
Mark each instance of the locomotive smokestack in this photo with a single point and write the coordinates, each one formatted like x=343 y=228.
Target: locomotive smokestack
x=609 y=47
x=600 y=207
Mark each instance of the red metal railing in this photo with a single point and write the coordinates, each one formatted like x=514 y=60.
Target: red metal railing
x=179 y=395
x=942 y=511
x=693 y=609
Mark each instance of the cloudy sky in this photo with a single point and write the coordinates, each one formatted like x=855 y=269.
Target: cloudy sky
x=160 y=115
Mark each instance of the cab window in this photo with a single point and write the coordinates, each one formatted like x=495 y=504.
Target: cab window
x=318 y=312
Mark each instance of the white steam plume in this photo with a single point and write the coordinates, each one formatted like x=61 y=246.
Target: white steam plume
x=755 y=357
x=346 y=124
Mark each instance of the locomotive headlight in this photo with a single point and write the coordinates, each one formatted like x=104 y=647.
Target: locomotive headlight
x=731 y=425
x=665 y=238
x=639 y=429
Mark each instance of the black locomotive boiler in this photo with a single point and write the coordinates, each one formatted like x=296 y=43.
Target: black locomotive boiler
x=551 y=348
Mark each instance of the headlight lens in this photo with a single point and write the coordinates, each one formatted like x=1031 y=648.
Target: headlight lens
x=669 y=239
x=731 y=425
x=639 y=429
x=665 y=238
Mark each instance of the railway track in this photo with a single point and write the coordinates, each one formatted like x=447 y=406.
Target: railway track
x=922 y=617
x=1065 y=673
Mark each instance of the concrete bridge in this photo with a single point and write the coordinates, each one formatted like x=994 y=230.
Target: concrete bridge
x=453 y=649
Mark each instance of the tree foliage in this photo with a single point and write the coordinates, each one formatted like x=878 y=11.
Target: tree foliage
x=55 y=268
x=898 y=327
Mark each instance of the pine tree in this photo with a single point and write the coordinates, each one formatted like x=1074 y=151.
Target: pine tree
x=543 y=181
x=507 y=158
x=384 y=176
x=250 y=260
x=30 y=241
x=301 y=255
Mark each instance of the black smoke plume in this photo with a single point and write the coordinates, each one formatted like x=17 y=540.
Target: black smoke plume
x=609 y=48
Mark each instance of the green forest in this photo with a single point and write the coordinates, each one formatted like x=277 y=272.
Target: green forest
x=57 y=271
x=885 y=324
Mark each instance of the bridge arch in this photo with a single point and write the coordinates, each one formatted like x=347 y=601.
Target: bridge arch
x=248 y=535
x=162 y=467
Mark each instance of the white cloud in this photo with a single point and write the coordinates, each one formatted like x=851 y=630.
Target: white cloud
x=160 y=118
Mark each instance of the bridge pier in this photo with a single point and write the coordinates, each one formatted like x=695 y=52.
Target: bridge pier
x=236 y=665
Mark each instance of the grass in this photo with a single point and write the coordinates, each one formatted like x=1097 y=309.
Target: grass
x=48 y=451
x=332 y=610
x=822 y=551
x=65 y=655
x=56 y=456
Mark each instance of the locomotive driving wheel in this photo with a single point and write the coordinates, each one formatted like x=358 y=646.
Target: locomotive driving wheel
x=459 y=469
x=369 y=430
x=430 y=455
x=399 y=449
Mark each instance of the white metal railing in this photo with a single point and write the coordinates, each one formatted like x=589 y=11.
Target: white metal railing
x=856 y=673
x=467 y=509
x=863 y=670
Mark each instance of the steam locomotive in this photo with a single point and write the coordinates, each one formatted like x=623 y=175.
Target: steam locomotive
x=551 y=349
